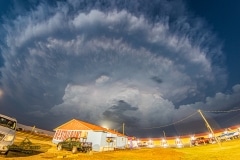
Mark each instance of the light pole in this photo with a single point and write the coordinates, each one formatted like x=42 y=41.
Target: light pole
x=208 y=126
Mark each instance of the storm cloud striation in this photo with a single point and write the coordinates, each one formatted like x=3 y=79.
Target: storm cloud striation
x=110 y=62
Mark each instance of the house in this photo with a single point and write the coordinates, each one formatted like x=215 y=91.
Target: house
x=119 y=141
x=132 y=142
x=102 y=139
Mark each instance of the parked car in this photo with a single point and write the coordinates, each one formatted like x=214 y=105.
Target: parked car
x=74 y=144
x=228 y=136
x=200 y=140
x=236 y=134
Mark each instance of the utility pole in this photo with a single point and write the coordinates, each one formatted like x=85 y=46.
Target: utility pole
x=209 y=127
x=33 y=128
x=123 y=128
x=124 y=136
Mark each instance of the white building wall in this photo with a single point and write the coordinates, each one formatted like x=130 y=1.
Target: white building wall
x=104 y=144
x=96 y=139
x=121 y=142
x=99 y=140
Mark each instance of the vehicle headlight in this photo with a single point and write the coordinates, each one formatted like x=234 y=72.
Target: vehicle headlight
x=9 y=138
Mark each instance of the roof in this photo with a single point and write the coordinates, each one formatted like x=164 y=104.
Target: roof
x=75 y=124
x=115 y=132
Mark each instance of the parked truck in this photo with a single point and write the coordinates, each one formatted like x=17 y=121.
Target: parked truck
x=7 y=132
x=74 y=144
x=200 y=140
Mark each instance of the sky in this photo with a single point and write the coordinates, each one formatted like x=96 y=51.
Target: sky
x=147 y=65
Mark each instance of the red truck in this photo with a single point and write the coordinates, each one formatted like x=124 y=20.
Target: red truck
x=200 y=140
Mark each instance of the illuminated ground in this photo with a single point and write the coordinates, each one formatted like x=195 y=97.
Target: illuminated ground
x=227 y=150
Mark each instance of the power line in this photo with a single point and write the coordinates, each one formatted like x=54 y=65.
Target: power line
x=173 y=122
x=213 y=111
x=219 y=111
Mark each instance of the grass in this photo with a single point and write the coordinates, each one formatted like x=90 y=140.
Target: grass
x=229 y=150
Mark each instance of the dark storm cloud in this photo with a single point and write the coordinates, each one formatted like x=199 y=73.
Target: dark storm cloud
x=157 y=79
x=78 y=58
x=121 y=107
x=116 y=113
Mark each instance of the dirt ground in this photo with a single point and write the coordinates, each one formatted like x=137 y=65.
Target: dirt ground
x=224 y=151
x=136 y=154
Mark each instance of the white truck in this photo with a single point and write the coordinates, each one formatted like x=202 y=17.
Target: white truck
x=7 y=132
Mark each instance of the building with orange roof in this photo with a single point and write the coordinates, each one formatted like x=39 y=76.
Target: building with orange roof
x=102 y=139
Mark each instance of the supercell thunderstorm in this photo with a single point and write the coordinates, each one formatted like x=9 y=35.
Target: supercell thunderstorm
x=110 y=62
